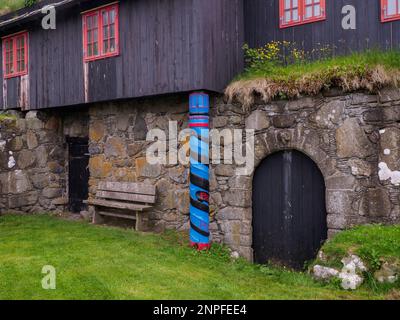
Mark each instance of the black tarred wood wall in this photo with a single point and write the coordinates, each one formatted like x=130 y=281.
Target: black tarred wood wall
x=262 y=26
x=167 y=46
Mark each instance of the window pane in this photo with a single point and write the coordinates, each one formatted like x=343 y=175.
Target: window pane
x=112 y=45
x=295 y=3
x=112 y=31
x=105 y=46
x=398 y=7
x=308 y=2
x=287 y=4
x=287 y=16
x=295 y=14
x=95 y=49
x=317 y=10
x=112 y=16
x=391 y=9
x=105 y=32
x=105 y=18
x=90 y=50
x=309 y=12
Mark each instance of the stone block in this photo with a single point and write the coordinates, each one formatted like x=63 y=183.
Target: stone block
x=97 y=130
x=26 y=158
x=258 y=120
x=238 y=198
x=219 y=122
x=339 y=202
x=31 y=140
x=99 y=167
x=360 y=167
x=146 y=170
x=115 y=147
x=16 y=144
x=51 y=193
x=14 y=182
x=284 y=121
x=351 y=141
x=375 y=203
x=18 y=201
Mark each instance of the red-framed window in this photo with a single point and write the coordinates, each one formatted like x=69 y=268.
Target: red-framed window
x=101 y=33
x=15 y=55
x=390 y=10
x=296 y=12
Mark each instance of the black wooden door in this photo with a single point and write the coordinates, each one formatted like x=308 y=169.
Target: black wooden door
x=78 y=178
x=289 y=212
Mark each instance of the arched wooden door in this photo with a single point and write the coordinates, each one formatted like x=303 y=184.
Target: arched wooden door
x=289 y=212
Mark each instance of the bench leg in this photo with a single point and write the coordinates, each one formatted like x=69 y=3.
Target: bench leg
x=97 y=218
x=139 y=221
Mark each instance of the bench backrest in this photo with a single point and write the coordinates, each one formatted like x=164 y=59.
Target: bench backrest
x=126 y=191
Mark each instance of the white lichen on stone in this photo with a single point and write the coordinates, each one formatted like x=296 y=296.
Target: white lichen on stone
x=386 y=174
x=11 y=162
x=386 y=152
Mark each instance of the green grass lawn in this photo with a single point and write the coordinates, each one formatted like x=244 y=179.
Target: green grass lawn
x=94 y=262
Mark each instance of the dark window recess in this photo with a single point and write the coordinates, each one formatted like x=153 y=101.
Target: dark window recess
x=289 y=212
x=78 y=173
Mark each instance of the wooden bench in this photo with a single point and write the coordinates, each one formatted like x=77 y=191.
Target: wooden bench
x=120 y=200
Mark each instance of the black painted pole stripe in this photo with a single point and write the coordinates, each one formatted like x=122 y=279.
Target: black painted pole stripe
x=199 y=182
x=199 y=205
x=198 y=230
x=197 y=158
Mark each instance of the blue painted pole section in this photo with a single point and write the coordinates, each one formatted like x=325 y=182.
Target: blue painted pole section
x=199 y=171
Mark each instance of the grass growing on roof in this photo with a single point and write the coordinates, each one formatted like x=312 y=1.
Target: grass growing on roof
x=10 y=5
x=95 y=262
x=370 y=70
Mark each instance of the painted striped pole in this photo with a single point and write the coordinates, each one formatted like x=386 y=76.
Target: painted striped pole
x=199 y=171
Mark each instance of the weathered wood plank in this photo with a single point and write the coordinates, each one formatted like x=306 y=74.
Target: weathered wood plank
x=126 y=196
x=117 y=215
x=117 y=205
x=127 y=187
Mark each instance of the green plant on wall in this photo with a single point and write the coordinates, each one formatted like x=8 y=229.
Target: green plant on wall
x=29 y=3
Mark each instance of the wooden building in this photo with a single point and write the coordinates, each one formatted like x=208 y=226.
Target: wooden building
x=163 y=47
x=160 y=47
x=313 y=23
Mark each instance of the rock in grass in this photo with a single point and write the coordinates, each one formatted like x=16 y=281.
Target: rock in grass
x=356 y=261
x=350 y=281
x=389 y=273
x=351 y=277
x=324 y=273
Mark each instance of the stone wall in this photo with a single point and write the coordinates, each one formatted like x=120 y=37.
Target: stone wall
x=354 y=139
x=117 y=135
x=32 y=163
x=34 y=159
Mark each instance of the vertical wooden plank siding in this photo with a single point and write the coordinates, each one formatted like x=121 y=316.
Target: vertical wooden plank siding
x=262 y=26
x=166 y=47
